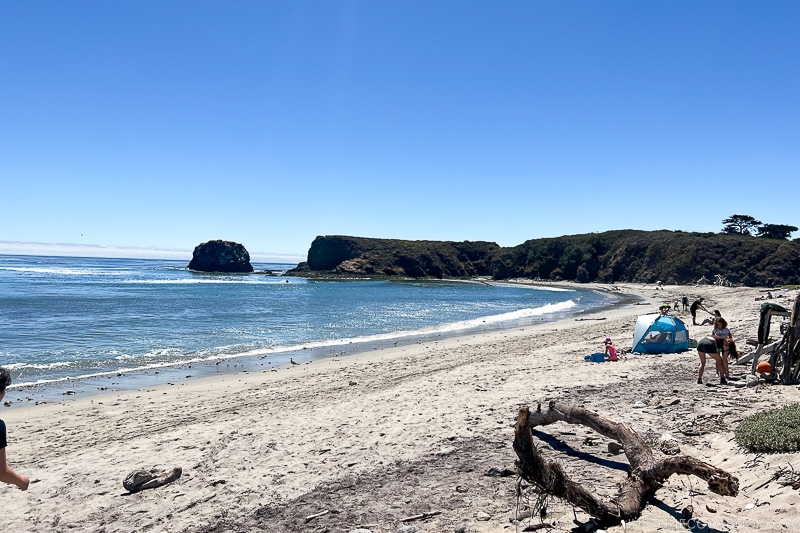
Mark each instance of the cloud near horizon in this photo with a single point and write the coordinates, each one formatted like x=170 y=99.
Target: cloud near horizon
x=95 y=250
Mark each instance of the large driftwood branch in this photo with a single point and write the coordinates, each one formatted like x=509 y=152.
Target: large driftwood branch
x=645 y=477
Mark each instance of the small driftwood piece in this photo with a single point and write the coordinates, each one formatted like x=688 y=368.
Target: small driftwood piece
x=422 y=516
x=311 y=517
x=150 y=479
x=645 y=477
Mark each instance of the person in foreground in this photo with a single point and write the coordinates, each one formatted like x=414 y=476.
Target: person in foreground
x=6 y=474
x=707 y=347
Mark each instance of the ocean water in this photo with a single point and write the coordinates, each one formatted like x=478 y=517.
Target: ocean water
x=85 y=320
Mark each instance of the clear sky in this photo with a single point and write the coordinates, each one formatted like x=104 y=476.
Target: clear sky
x=161 y=125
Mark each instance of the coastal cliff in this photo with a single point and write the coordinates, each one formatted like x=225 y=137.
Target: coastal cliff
x=343 y=256
x=673 y=257
x=648 y=256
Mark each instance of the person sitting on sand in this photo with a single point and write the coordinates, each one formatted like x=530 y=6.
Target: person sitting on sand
x=707 y=347
x=611 y=351
x=664 y=309
x=6 y=474
x=697 y=304
x=711 y=319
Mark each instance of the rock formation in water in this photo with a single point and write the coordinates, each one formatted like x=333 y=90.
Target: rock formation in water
x=220 y=256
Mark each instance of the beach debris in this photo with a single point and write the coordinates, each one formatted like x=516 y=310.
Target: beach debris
x=669 y=446
x=615 y=448
x=446 y=451
x=8 y=404
x=422 y=516
x=790 y=475
x=311 y=517
x=645 y=476
x=500 y=472
x=139 y=480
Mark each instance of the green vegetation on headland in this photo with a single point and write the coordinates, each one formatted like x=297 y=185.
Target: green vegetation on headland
x=673 y=257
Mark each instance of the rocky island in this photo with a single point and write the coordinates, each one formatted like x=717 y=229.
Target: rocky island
x=220 y=256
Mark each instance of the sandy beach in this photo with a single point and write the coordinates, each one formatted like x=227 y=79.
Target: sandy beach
x=367 y=440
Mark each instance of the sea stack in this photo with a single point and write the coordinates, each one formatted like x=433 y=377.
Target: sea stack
x=220 y=256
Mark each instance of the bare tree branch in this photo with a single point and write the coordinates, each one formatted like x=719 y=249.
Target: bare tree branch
x=645 y=477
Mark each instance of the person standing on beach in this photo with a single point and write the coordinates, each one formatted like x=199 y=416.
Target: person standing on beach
x=721 y=332
x=6 y=474
x=697 y=304
x=707 y=347
x=685 y=302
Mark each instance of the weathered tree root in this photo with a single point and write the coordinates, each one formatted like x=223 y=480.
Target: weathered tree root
x=645 y=477
x=144 y=479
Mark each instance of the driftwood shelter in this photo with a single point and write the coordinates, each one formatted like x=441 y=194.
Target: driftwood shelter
x=784 y=353
x=645 y=476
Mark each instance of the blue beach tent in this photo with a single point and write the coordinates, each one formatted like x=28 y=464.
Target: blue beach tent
x=658 y=333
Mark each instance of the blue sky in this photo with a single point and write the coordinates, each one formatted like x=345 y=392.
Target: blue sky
x=161 y=125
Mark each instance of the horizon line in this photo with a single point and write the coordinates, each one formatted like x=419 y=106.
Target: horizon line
x=125 y=252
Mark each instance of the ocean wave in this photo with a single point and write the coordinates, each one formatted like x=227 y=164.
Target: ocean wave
x=233 y=351
x=491 y=320
x=223 y=281
x=40 y=366
x=56 y=270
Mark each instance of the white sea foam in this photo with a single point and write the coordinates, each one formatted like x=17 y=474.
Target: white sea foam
x=22 y=367
x=210 y=281
x=56 y=270
x=443 y=328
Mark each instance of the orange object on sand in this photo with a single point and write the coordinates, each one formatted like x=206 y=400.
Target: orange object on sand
x=764 y=367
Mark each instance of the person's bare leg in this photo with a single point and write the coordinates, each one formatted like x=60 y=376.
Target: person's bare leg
x=702 y=366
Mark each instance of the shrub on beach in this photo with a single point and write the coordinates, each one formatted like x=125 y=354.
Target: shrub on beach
x=776 y=430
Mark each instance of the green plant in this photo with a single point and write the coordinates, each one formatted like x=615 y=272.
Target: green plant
x=776 y=430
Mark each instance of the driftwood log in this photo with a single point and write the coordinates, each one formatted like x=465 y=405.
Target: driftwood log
x=645 y=476
x=150 y=479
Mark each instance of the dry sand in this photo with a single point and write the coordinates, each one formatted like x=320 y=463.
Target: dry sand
x=377 y=437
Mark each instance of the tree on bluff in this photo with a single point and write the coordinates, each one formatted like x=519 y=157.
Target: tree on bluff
x=776 y=231
x=740 y=225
